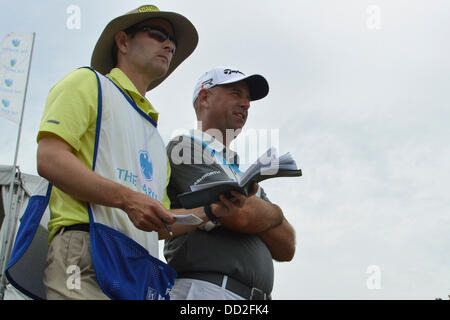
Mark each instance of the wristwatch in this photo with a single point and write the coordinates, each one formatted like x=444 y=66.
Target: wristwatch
x=210 y=215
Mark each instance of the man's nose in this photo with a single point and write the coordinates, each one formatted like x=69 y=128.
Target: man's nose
x=245 y=103
x=170 y=46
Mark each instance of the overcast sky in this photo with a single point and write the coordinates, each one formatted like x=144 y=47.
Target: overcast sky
x=359 y=94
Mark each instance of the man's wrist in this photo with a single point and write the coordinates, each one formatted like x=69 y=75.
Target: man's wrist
x=122 y=200
x=210 y=215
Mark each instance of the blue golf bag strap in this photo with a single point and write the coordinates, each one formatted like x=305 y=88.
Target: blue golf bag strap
x=25 y=269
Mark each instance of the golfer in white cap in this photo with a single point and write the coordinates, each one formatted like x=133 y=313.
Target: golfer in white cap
x=231 y=257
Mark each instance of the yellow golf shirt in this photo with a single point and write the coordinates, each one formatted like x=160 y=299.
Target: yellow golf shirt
x=71 y=113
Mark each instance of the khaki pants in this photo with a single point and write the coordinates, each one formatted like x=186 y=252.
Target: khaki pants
x=70 y=273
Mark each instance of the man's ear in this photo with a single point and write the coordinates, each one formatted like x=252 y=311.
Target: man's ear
x=121 y=39
x=203 y=98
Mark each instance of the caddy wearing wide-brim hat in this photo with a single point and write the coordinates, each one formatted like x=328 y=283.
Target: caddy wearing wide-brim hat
x=184 y=31
x=105 y=170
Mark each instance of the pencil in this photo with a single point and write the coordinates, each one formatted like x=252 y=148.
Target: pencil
x=168 y=229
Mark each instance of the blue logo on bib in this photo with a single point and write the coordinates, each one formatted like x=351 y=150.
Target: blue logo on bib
x=146 y=165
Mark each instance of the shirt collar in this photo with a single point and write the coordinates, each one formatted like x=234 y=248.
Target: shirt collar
x=122 y=80
x=217 y=146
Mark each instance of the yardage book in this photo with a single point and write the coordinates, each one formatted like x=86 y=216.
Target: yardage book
x=267 y=166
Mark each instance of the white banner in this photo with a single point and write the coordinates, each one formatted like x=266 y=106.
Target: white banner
x=15 y=56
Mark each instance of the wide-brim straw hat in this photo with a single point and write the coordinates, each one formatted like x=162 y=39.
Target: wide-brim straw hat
x=184 y=32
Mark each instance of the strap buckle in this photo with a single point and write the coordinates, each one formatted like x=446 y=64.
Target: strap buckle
x=257 y=294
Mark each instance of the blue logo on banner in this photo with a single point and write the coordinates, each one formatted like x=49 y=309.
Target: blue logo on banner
x=5 y=103
x=15 y=42
x=8 y=82
x=13 y=62
x=146 y=165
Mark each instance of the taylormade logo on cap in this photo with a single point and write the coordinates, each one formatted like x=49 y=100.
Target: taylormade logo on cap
x=219 y=75
x=257 y=84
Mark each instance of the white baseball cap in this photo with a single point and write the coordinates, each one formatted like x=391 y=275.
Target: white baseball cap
x=257 y=84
